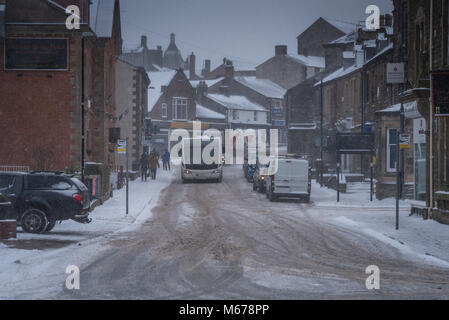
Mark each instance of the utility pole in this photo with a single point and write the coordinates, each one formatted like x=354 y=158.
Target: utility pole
x=321 y=134
x=82 y=109
x=431 y=113
x=127 y=178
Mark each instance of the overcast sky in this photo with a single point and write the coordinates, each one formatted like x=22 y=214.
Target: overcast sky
x=242 y=30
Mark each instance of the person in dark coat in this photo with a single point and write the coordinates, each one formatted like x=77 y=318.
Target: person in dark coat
x=154 y=164
x=144 y=166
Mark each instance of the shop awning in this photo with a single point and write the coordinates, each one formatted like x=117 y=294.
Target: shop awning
x=410 y=109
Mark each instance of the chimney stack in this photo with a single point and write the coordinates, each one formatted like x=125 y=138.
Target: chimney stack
x=229 y=70
x=280 y=50
x=201 y=89
x=143 y=41
x=207 y=65
x=192 y=66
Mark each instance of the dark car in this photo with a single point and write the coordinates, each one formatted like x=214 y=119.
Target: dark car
x=6 y=210
x=40 y=199
x=259 y=182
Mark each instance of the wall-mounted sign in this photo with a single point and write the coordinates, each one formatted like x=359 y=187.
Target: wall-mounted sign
x=440 y=92
x=36 y=54
x=419 y=131
x=404 y=141
x=395 y=73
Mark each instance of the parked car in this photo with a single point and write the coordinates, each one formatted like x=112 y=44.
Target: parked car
x=40 y=199
x=6 y=210
x=292 y=179
x=259 y=178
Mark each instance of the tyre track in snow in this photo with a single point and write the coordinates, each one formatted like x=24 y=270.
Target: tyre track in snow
x=225 y=241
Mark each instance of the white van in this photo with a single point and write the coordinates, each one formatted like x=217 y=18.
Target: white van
x=292 y=180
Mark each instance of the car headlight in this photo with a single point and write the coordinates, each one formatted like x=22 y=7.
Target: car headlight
x=187 y=172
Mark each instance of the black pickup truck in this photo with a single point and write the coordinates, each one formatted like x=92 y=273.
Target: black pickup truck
x=39 y=199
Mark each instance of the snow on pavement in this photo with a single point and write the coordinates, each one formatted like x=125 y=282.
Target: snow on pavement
x=33 y=266
x=424 y=241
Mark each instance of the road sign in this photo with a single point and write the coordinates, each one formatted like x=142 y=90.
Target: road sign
x=395 y=73
x=404 y=141
x=121 y=146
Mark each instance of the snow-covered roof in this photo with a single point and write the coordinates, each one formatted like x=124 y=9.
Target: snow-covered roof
x=236 y=102
x=344 y=27
x=206 y=113
x=347 y=38
x=387 y=48
x=102 y=17
x=158 y=79
x=338 y=74
x=310 y=61
x=263 y=86
x=343 y=72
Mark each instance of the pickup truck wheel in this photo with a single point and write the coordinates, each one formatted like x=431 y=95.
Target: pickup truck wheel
x=34 y=221
x=271 y=196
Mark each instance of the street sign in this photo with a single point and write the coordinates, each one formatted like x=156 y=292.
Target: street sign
x=440 y=92
x=395 y=73
x=121 y=146
x=404 y=141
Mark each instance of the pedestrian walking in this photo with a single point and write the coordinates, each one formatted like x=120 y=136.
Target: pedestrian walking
x=166 y=160
x=154 y=164
x=144 y=166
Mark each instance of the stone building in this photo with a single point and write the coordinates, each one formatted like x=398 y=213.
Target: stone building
x=422 y=55
x=40 y=106
x=240 y=69
x=131 y=96
x=237 y=111
x=288 y=70
x=260 y=91
x=321 y=32
x=142 y=56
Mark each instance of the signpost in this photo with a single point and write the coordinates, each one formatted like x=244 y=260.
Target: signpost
x=122 y=148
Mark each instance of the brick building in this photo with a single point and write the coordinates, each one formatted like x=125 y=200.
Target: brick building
x=171 y=105
x=40 y=104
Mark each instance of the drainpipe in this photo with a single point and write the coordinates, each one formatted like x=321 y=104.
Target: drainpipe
x=431 y=110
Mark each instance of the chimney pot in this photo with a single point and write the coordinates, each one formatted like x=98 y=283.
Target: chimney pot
x=280 y=50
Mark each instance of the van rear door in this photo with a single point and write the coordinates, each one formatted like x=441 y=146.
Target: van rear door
x=292 y=176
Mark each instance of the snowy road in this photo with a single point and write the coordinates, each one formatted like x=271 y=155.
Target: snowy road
x=226 y=241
